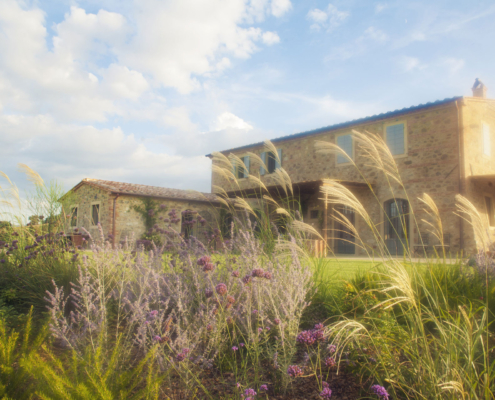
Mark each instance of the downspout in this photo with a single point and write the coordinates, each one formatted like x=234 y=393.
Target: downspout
x=113 y=219
x=460 y=136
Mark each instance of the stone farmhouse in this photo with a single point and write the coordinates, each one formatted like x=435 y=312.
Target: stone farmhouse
x=112 y=206
x=443 y=148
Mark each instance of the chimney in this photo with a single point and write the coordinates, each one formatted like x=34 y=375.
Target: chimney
x=479 y=89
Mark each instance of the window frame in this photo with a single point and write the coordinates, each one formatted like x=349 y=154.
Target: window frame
x=483 y=124
x=71 y=208
x=406 y=137
x=265 y=156
x=245 y=168
x=353 y=151
x=98 y=203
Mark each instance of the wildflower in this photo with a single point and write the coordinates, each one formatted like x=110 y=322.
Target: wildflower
x=306 y=337
x=231 y=299
x=163 y=206
x=324 y=384
x=208 y=267
x=246 y=279
x=264 y=388
x=258 y=273
x=230 y=320
x=267 y=275
x=208 y=293
x=241 y=344
x=332 y=348
x=380 y=391
x=326 y=393
x=2 y=261
x=186 y=351
x=330 y=362
x=235 y=274
x=267 y=328
x=235 y=348
x=276 y=321
x=221 y=289
x=373 y=360
x=157 y=338
x=238 y=385
x=204 y=260
x=294 y=371
x=180 y=357
x=209 y=328
x=255 y=311
x=250 y=392
x=260 y=330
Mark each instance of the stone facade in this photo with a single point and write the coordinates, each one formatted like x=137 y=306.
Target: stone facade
x=443 y=152
x=129 y=224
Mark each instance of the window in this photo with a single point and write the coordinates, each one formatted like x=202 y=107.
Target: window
x=486 y=140
x=395 y=139
x=489 y=210
x=243 y=169
x=314 y=214
x=73 y=216
x=345 y=143
x=271 y=161
x=95 y=214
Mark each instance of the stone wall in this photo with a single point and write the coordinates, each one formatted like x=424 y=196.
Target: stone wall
x=85 y=197
x=430 y=166
x=130 y=223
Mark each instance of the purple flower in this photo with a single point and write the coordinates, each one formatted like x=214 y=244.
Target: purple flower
x=332 y=348
x=264 y=388
x=255 y=312
x=330 y=362
x=260 y=330
x=2 y=261
x=294 y=371
x=208 y=267
x=235 y=274
x=326 y=393
x=231 y=299
x=221 y=289
x=208 y=292
x=153 y=313
x=204 y=260
x=250 y=392
x=235 y=348
x=268 y=275
x=276 y=321
x=157 y=338
x=238 y=385
x=180 y=357
x=306 y=337
x=373 y=360
x=241 y=344
x=267 y=328
x=258 y=273
x=246 y=279
x=380 y=391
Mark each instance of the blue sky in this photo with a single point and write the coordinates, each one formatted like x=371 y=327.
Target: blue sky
x=139 y=91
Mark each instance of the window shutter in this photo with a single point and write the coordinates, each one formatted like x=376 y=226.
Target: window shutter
x=277 y=163
x=246 y=166
x=263 y=158
x=486 y=140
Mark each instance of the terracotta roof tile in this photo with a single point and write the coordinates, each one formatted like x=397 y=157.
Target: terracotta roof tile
x=151 y=191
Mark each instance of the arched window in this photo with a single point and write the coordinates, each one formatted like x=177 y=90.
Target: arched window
x=396 y=225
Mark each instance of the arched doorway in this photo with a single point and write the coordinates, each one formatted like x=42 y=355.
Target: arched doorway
x=397 y=226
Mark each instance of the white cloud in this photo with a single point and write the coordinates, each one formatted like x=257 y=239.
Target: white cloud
x=178 y=117
x=280 y=7
x=329 y=19
x=410 y=64
x=452 y=64
x=229 y=120
x=270 y=38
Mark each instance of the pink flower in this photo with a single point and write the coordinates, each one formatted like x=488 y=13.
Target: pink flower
x=221 y=289
x=235 y=348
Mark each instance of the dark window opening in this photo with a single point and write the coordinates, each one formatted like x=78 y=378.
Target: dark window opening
x=73 y=217
x=396 y=225
x=187 y=224
x=345 y=239
x=271 y=163
x=314 y=214
x=95 y=214
x=489 y=211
